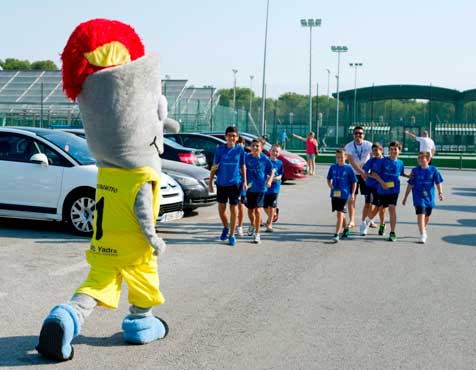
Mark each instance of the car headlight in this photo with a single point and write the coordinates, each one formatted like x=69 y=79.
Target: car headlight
x=185 y=180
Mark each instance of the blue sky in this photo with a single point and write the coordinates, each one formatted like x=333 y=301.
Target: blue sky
x=408 y=42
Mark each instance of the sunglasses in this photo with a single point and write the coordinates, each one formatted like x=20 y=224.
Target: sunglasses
x=360 y=133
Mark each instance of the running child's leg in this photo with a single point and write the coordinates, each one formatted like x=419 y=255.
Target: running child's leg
x=233 y=218
x=223 y=215
x=393 y=217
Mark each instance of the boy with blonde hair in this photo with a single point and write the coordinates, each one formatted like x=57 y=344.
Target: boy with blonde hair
x=342 y=181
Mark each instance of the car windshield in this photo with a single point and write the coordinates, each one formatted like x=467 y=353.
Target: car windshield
x=173 y=144
x=75 y=146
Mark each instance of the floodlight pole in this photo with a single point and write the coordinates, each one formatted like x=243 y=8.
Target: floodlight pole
x=251 y=92
x=338 y=50
x=328 y=97
x=263 y=102
x=235 y=71
x=355 y=65
x=310 y=23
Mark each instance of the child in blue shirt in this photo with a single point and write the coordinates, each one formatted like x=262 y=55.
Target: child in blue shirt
x=372 y=197
x=422 y=185
x=271 y=196
x=342 y=181
x=387 y=172
x=229 y=167
x=259 y=173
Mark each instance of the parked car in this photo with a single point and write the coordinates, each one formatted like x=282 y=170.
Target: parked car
x=194 y=182
x=172 y=150
x=200 y=141
x=51 y=175
x=294 y=166
x=176 y=152
x=192 y=179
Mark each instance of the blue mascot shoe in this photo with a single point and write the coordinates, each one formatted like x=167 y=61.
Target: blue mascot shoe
x=144 y=330
x=57 y=332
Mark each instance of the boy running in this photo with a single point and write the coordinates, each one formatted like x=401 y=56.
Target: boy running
x=259 y=172
x=372 y=198
x=271 y=196
x=241 y=206
x=229 y=166
x=387 y=172
x=342 y=181
x=422 y=185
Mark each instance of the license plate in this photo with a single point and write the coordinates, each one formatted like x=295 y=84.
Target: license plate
x=171 y=216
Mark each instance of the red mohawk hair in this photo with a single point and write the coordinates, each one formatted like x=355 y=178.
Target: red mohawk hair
x=87 y=37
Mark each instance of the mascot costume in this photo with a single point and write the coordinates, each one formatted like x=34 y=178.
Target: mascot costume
x=124 y=113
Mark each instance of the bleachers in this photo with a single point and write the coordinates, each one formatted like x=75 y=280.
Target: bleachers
x=36 y=97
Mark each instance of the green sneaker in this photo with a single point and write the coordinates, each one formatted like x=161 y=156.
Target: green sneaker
x=335 y=238
x=381 y=229
x=392 y=237
x=346 y=233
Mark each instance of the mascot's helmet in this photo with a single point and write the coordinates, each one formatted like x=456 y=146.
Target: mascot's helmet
x=94 y=45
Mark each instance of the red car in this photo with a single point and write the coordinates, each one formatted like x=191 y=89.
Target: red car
x=294 y=165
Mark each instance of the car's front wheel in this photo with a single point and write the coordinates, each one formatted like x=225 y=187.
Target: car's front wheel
x=79 y=212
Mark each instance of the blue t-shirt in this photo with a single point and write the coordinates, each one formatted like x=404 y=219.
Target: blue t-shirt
x=278 y=171
x=342 y=178
x=257 y=171
x=229 y=160
x=390 y=171
x=369 y=167
x=423 y=181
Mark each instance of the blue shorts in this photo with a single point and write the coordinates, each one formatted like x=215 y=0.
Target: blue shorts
x=388 y=199
x=254 y=200
x=421 y=210
x=271 y=200
x=228 y=194
x=372 y=197
x=339 y=204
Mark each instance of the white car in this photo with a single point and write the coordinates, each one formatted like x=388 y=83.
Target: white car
x=51 y=175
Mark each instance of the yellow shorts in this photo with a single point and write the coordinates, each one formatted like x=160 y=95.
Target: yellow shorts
x=104 y=284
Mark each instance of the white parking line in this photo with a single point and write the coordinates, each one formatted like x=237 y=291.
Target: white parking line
x=70 y=269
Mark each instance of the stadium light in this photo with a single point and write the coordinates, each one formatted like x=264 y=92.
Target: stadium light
x=251 y=93
x=338 y=50
x=355 y=65
x=310 y=23
x=235 y=71
x=263 y=93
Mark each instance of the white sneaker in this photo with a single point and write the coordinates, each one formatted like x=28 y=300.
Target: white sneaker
x=257 y=239
x=239 y=231
x=251 y=230
x=423 y=238
x=364 y=227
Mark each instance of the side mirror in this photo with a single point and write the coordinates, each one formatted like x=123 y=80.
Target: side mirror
x=40 y=158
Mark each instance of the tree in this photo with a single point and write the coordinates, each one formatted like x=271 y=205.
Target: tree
x=17 y=64
x=12 y=63
x=45 y=65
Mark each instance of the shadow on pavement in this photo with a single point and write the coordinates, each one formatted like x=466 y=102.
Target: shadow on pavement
x=451 y=207
x=32 y=229
x=20 y=351
x=464 y=239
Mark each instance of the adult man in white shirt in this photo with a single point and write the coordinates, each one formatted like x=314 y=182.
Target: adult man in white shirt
x=426 y=143
x=358 y=152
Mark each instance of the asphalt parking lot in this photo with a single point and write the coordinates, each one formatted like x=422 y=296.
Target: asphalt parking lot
x=295 y=301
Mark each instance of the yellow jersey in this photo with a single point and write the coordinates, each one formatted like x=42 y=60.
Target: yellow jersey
x=118 y=239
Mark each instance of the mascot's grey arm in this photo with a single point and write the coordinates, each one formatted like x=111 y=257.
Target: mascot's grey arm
x=170 y=125
x=142 y=209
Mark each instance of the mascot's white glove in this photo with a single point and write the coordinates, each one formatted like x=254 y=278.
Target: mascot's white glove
x=145 y=217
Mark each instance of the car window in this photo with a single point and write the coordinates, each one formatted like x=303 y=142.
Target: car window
x=172 y=138
x=16 y=148
x=19 y=148
x=54 y=158
x=198 y=143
